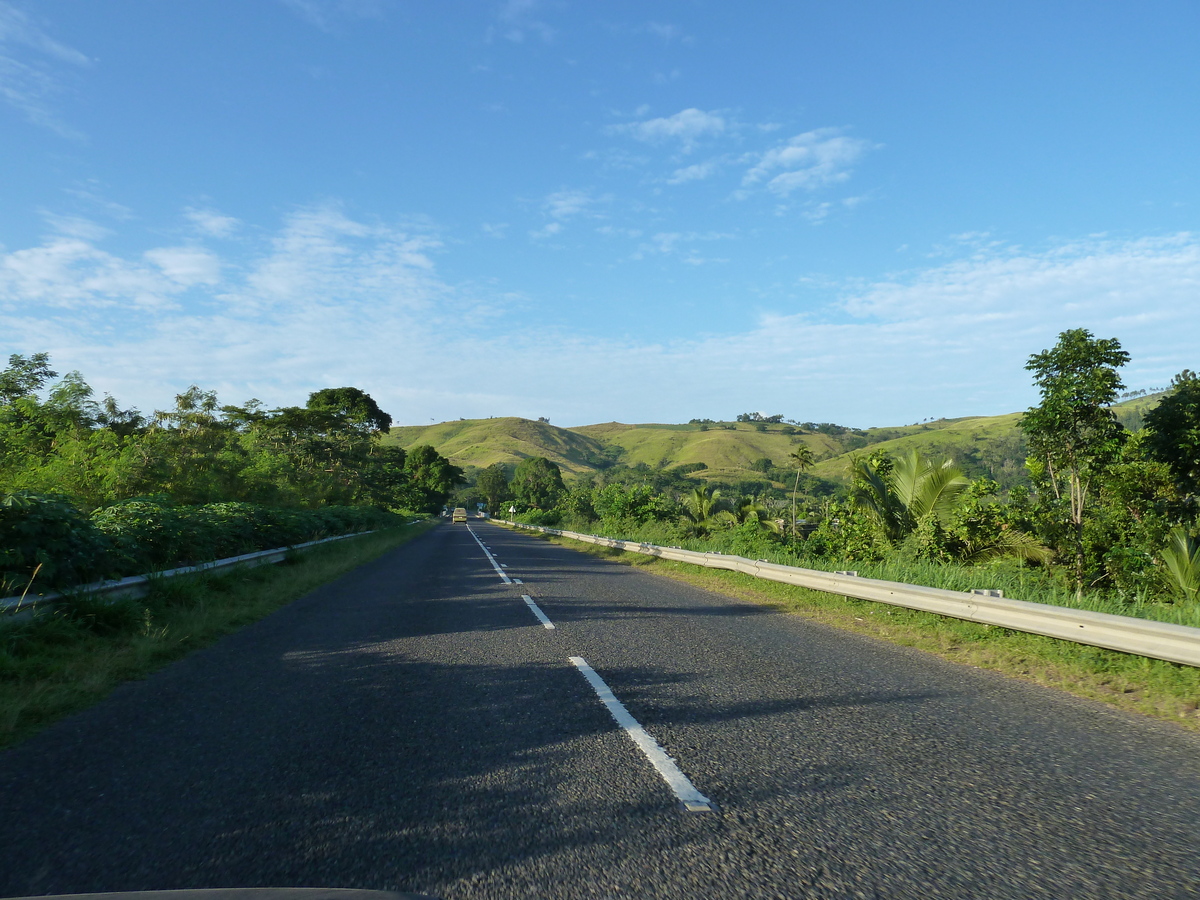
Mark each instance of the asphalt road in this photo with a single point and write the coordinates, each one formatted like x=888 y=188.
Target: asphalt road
x=413 y=726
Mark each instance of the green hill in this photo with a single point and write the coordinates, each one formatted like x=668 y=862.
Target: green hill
x=728 y=451
x=481 y=442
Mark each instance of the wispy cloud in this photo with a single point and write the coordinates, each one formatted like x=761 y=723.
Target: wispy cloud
x=212 y=223
x=561 y=207
x=330 y=299
x=697 y=172
x=518 y=20
x=686 y=127
x=567 y=204
x=323 y=13
x=807 y=161
x=187 y=266
x=31 y=67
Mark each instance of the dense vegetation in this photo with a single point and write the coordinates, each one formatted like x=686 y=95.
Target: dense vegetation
x=1099 y=510
x=88 y=489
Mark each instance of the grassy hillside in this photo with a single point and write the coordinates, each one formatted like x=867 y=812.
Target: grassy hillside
x=481 y=442
x=726 y=450
x=982 y=445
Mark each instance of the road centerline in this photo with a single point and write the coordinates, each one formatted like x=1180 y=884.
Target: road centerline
x=538 y=612
x=495 y=565
x=690 y=799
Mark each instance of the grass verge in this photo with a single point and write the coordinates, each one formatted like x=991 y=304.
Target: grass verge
x=72 y=656
x=1151 y=687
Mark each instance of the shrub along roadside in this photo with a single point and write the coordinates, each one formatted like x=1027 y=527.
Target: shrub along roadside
x=64 y=660
x=1151 y=687
x=47 y=535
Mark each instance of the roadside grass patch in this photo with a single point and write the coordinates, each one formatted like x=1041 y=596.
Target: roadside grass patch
x=1151 y=687
x=69 y=657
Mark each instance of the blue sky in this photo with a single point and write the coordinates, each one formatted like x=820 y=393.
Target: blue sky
x=870 y=213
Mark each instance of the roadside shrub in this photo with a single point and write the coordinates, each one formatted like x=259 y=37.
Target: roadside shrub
x=147 y=534
x=47 y=530
x=151 y=534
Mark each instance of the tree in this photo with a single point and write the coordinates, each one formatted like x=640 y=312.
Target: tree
x=537 y=482
x=1073 y=434
x=353 y=405
x=704 y=505
x=493 y=484
x=1173 y=433
x=907 y=494
x=802 y=458
x=24 y=376
x=433 y=478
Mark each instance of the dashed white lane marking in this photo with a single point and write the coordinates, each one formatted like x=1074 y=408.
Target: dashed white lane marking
x=517 y=581
x=689 y=798
x=546 y=623
x=491 y=559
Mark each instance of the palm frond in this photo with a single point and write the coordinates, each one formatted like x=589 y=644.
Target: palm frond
x=1181 y=556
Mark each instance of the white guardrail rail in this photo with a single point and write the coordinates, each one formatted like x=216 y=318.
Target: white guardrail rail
x=139 y=585
x=1159 y=640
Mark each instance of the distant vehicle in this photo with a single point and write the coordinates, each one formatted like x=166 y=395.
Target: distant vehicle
x=460 y=515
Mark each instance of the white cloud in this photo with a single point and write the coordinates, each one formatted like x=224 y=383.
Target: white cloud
x=332 y=300
x=322 y=13
x=807 y=161
x=186 y=266
x=517 y=21
x=686 y=127
x=211 y=222
x=551 y=229
x=697 y=172
x=567 y=204
x=31 y=68
x=70 y=273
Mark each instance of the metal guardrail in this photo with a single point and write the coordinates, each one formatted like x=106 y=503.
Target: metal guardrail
x=138 y=585
x=1159 y=640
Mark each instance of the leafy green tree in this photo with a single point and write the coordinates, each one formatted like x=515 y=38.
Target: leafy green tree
x=355 y=407
x=433 y=478
x=1072 y=433
x=24 y=377
x=492 y=483
x=537 y=482
x=637 y=503
x=1173 y=434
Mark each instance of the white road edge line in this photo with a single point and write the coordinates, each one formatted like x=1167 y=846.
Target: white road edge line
x=689 y=798
x=537 y=612
x=491 y=559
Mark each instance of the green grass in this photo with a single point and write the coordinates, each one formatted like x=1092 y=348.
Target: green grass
x=72 y=656
x=1151 y=687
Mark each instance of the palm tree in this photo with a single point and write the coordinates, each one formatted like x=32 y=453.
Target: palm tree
x=749 y=510
x=909 y=491
x=703 y=506
x=1182 y=558
x=802 y=458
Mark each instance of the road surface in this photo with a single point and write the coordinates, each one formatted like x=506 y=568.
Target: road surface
x=416 y=726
